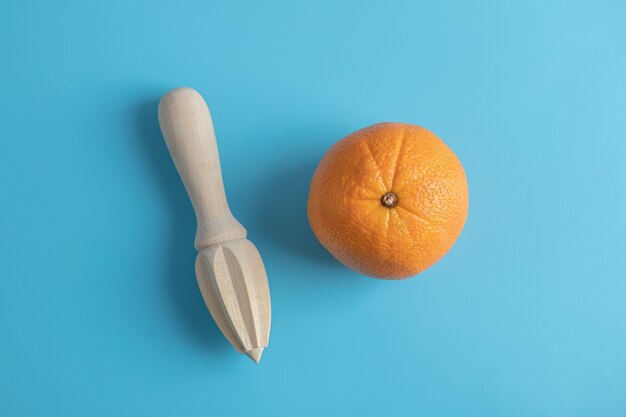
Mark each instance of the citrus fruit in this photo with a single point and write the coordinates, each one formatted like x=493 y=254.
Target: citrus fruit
x=388 y=200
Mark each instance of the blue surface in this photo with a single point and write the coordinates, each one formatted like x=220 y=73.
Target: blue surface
x=99 y=310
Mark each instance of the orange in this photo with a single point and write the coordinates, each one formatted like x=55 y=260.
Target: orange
x=389 y=200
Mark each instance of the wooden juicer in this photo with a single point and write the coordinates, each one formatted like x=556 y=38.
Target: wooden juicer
x=229 y=269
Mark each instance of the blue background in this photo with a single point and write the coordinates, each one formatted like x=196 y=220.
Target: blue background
x=100 y=314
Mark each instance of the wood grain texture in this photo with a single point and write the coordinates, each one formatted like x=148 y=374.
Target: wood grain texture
x=229 y=269
x=233 y=282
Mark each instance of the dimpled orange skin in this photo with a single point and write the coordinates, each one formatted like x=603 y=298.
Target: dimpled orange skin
x=350 y=220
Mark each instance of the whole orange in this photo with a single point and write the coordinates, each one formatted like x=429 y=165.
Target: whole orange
x=389 y=200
